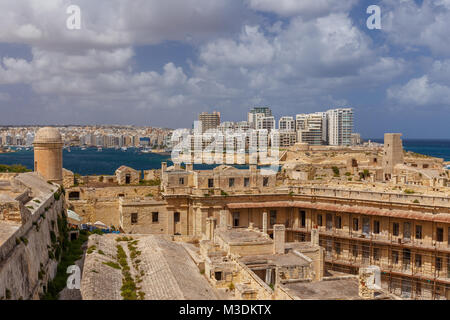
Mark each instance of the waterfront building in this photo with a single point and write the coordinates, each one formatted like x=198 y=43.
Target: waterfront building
x=311 y=128
x=257 y=113
x=265 y=123
x=340 y=126
x=209 y=120
x=286 y=123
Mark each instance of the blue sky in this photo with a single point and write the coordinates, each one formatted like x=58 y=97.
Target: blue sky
x=160 y=63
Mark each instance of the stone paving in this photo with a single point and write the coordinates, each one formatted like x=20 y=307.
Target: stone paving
x=99 y=281
x=170 y=273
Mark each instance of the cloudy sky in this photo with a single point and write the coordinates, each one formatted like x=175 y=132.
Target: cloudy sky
x=160 y=62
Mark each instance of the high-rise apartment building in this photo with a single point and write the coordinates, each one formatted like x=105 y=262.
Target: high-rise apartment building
x=286 y=123
x=209 y=120
x=340 y=126
x=257 y=113
x=311 y=128
x=267 y=123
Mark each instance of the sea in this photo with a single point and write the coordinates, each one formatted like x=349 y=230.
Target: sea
x=91 y=161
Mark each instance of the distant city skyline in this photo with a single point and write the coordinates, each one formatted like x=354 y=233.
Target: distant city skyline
x=161 y=67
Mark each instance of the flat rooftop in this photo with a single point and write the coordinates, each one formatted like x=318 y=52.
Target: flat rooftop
x=289 y=259
x=240 y=235
x=342 y=289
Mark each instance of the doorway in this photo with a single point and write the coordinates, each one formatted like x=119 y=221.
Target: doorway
x=176 y=223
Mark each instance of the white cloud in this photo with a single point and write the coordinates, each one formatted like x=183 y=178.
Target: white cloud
x=421 y=92
x=412 y=25
x=304 y=8
x=109 y=23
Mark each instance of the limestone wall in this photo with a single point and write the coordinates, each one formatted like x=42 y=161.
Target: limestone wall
x=20 y=263
x=377 y=196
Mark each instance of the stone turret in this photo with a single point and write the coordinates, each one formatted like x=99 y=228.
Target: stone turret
x=48 y=160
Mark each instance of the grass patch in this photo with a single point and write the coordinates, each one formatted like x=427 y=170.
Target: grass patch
x=70 y=251
x=112 y=264
x=91 y=249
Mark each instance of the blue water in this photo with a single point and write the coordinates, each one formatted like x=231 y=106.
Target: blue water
x=434 y=148
x=90 y=161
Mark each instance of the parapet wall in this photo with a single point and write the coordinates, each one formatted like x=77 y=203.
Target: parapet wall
x=24 y=257
x=373 y=195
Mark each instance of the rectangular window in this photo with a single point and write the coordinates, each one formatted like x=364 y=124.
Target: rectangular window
x=265 y=181
x=236 y=219
x=329 y=221
x=395 y=229
x=155 y=217
x=246 y=182
x=407 y=230
x=355 y=224
x=376 y=227
x=376 y=254
x=337 y=247
x=438 y=263
x=448 y=241
x=338 y=222
x=439 y=234
x=394 y=257
x=355 y=250
x=210 y=183
x=302 y=219
x=366 y=226
x=273 y=217
x=134 y=218
x=319 y=220
x=181 y=181
x=418 y=260
x=231 y=182
x=176 y=217
x=418 y=232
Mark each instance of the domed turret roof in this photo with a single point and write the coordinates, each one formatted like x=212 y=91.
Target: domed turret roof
x=48 y=135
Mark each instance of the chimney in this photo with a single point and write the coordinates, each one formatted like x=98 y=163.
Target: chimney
x=315 y=237
x=279 y=234
x=223 y=223
x=264 y=222
x=210 y=228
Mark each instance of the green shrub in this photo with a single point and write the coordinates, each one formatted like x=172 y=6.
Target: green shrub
x=24 y=240
x=335 y=171
x=7 y=294
x=15 y=168
x=91 y=249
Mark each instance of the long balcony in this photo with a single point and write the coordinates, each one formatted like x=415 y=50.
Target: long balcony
x=381 y=239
